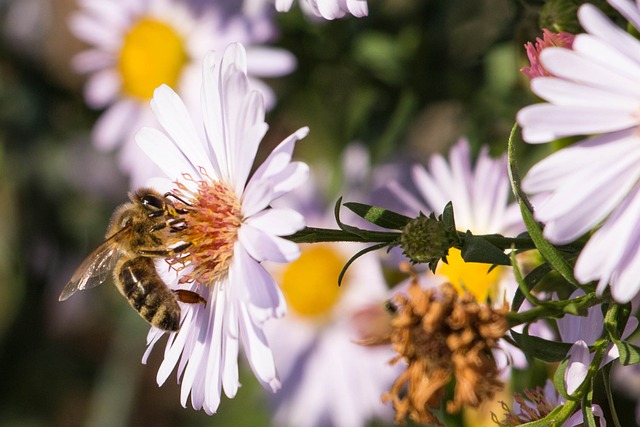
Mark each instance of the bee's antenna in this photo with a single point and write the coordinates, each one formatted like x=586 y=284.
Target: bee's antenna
x=181 y=200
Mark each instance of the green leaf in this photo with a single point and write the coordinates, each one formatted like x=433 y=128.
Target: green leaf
x=558 y=379
x=379 y=216
x=355 y=257
x=478 y=249
x=547 y=250
x=530 y=281
x=447 y=217
x=343 y=226
x=629 y=353
x=545 y=350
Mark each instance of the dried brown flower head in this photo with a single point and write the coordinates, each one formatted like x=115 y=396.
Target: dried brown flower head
x=443 y=336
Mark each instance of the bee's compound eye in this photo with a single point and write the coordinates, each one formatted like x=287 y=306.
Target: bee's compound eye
x=152 y=201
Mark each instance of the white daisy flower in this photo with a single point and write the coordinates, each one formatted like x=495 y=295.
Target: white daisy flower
x=231 y=228
x=328 y=379
x=137 y=45
x=328 y=9
x=595 y=90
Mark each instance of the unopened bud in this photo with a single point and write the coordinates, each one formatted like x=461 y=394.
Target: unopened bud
x=560 y=15
x=425 y=240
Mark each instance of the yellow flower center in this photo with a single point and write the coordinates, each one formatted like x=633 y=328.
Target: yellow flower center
x=471 y=276
x=310 y=283
x=153 y=53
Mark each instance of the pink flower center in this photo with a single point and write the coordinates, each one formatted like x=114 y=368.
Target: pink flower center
x=213 y=218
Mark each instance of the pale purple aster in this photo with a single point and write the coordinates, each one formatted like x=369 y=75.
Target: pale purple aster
x=240 y=293
x=328 y=9
x=583 y=331
x=328 y=379
x=594 y=182
x=110 y=27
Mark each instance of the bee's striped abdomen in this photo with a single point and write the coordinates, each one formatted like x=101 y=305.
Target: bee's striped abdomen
x=140 y=283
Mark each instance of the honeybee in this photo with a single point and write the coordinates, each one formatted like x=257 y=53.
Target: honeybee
x=138 y=232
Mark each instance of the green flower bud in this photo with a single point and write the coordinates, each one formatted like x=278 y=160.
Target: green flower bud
x=426 y=240
x=561 y=15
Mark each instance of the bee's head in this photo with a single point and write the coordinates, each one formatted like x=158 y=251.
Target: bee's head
x=150 y=200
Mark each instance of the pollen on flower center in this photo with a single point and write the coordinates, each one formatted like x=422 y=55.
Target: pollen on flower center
x=152 y=54
x=212 y=223
x=471 y=276
x=310 y=283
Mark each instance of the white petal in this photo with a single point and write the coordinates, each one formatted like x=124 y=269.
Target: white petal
x=605 y=252
x=92 y=31
x=258 y=352
x=164 y=153
x=568 y=93
x=358 y=8
x=277 y=221
x=587 y=154
x=283 y=5
x=259 y=290
x=269 y=62
x=176 y=121
x=280 y=157
x=261 y=192
x=92 y=60
x=596 y=23
x=546 y=122
x=230 y=375
x=263 y=246
x=578 y=366
x=602 y=52
x=175 y=349
x=572 y=65
x=113 y=126
x=212 y=110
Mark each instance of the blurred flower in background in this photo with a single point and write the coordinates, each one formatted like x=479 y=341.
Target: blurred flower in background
x=328 y=9
x=231 y=229
x=328 y=377
x=135 y=46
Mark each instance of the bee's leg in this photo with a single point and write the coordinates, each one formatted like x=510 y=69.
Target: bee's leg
x=164 y=252
x=176 y=224
x=189 y=297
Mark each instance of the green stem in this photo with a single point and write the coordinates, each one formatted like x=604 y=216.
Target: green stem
x=551 y=309
x=319 y=235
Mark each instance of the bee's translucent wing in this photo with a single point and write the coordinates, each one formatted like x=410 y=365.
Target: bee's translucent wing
x=95 y=268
